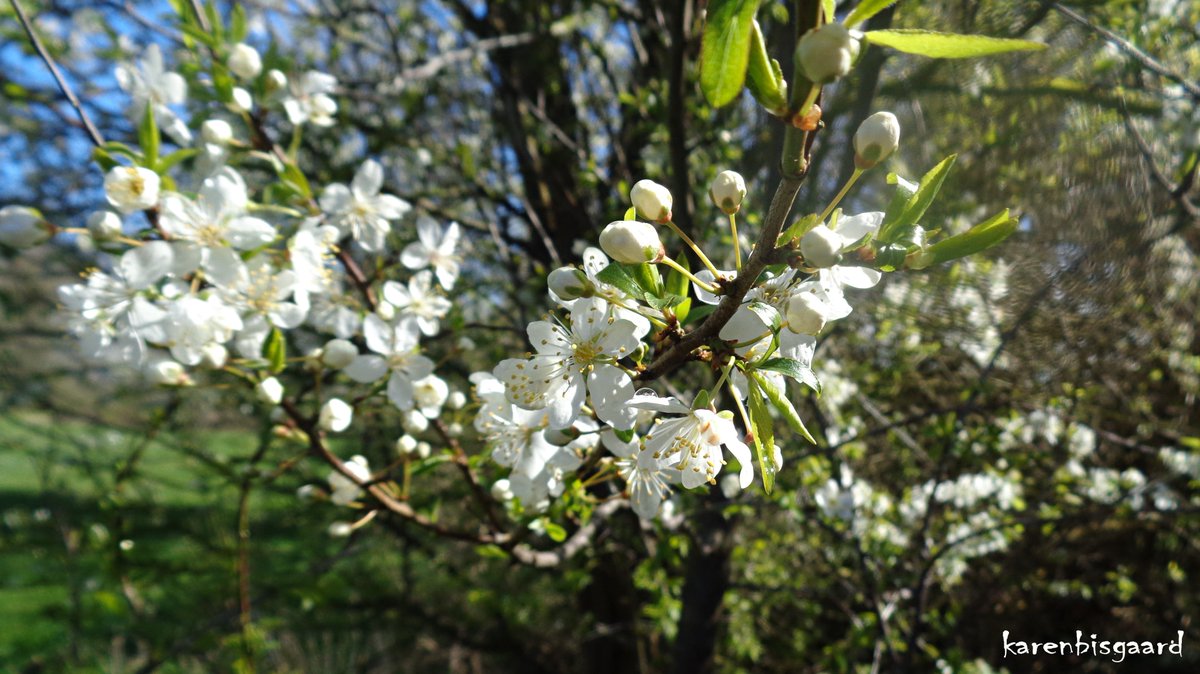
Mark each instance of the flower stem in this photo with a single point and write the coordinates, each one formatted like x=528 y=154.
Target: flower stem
x=737 y=243
x=645 y=315
x=840 y=195
x=741 y=408
x=677 y=267
x=813 y=92
x=695 y=249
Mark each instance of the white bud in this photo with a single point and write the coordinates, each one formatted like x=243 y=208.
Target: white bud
x=466 y=343
x=413 y=421
x=727 y=191
x=876 y=139
x=131 y=188
x=104 y=225
x=560 y=437
x=216 y=131
x=454 y=429
x=424 y=449
x=385 y=310
x=821 y=247
x=652 y=201
x=269 y=391
x=805 y=313
x=276 y=80
x=242 y=100
x=502 y=490
x=827 y=53
x=632 y=242
x=22 y=227
x=306 y=492
x=569 y=283
x=335 y=416
x=341 y=529
x=244 y=61
x=338 y=353
x=430 y=394
x=457 y=400
x=213 y=355
x=406 y=444
x=166 y=372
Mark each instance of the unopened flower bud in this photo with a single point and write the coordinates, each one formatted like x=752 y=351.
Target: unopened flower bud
x=424 y=449
x=876 y=139
x=22 y=227
x=335 y=416
x=166 y=372
x=244 y=61
x=341 y=529
x=385 y=310
x=306 y=492
x=502 y=490
x=216 y=131
x=827 y=53
x=457 y=400
x=652 y=201
x=569 y=283
x=276 y=81
x=466 y=343
x=104 y=225
x=406 y=444
x=821 y=247
x=561 y=437
x=131 y=188
x=413 y=421
x=454 y=429
x=727 y=191
x=338 y=353
x=270 y=391
x=214 y=356
x=632 y=242
x=242 y=100
x=805 y=313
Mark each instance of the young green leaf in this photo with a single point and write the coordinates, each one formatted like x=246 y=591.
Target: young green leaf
x=764 y=77
x=618 y=276
x=947 y=45
x=676 y=283
x=725 y=49
x=275 y=350
x=793 y=368
x=865 y=10
x=920 y=200
x=783 y=405
x=148 y=137
x=977 y=239
x=763 y=432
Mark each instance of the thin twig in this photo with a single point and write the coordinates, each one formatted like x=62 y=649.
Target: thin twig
x=92 y=131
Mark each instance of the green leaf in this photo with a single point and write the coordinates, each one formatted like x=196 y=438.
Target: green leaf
x=829 y=9
x=676 y=283
x=554 y=531
x=946 y=45
x=764 y=436
x=275 y=350
x=104 y=159
x=630 y=213
x=921 y=200
x=647 y=278
x=237 y=23
x=790 y=367
x=148 y=137
x=618 y=276
x=295 y=177
x=764 y=77
x=665 y=302
x=176 y=157
x=683 y=310
x=624 y=436
x=904 y=191
x=865 y=10
x=783 y=405
x=702 y=400
x=697 y=313
x=725 y=49
x=975 y=240
x=769 y=314
x=427 y=464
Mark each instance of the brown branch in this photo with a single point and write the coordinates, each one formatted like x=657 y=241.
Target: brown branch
x=92 y=131
x=461 y=460
x=578 y=540
x=1148 y=62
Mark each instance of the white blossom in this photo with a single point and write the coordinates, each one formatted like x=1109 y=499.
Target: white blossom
x=394 y=351
x=434 y=248
x=149 y=83
x=360 y=210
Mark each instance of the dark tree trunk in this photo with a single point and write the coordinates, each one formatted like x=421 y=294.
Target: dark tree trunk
x=704 y=589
